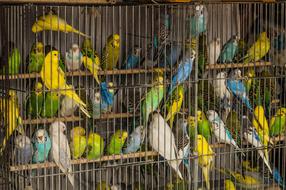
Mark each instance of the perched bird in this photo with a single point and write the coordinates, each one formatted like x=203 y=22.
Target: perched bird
x=170 y=56
x=73 y=58
x=111 y=52
x=206 y=158
x=174 y=103
x=184 y=70
x=198 y=22
x=68 y=107
x=133 y=59
x=107 y=96
x=54 y=23
x=36 y=58
x=278 y=178
x=204 y=127
x=135 y=140
x=92 y=66
x=234 y=125
x=250 y=74
x=152 y=99
x=50 y=105
x=35 y=101
x=10 y=114
x=60 y=151
x=278 y=122
x=23 y=149
x=239 y=178
x=252 y=138
x=95 y=146
x=220 y=131
x=11 y=59
x=248 y=167
x=258 y=50
x=49 y=48
x=95 y=101
x=78 y=142
x=228 y=185
x=161 y=136
x=42 y=145
x=117 y=141
x=237 y=88
x=214 y=51
x=102 y=185
x=87 y=49
x=54 y=79
x=229 y=50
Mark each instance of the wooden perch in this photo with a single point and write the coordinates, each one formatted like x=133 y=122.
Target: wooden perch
x=237 y=65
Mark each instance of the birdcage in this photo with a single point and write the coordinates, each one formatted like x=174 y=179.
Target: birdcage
x=142 y=95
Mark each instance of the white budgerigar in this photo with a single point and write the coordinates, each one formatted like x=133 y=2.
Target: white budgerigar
x=60 y=151
x=214 y=51
x=73 y=59
x=221 y=133
x=68 y=107
x=162 y=140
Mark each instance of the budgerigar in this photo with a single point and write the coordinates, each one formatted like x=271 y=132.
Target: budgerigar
x=204 y=127
x=50 y=105
x=228 y=185
x=160 y=137
x=214 y=51
x=152 y=99
x=68 y=107
x=11 y=59
x=133 y=59
x=170 y=56
x=107 y=97
x=102 y=185
x=54 y=23
x=87 y=49
x=174 y=104
x=278 y=122
x=229 y=50
x=23 y=149
x=117 y=141
x=237 y=88
x=198 y=22
x=95 y=101
x=206 y=158
x=278 y=178
x=135 y=140
x=111 y=52
x=234 y=125
x=60 y=151
x=78 y=142
x=259 y=49
x=221 y=133
x=73 y=58
x=95 y=146
x=42 y=145
x=35 y=101
x=10 y=115
x=184 y=70
x=54 y=79
x=36 y=58
x=92 y=66
x=252 y=138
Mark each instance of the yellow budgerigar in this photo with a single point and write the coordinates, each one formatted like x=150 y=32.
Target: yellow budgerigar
x=78 y=142
x=92 y=66
x=11 y=116
x=206 y=157
x=54 y=79
x=53 y=22
x=111 y=52
x=259 y=49
x=228 y=185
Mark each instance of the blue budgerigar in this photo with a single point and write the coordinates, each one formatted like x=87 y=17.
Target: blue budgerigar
x=107 y=95
x=42 y=146
x=237 y=88
x=170 y=56
x=184 y=70
x=133 y=59
x=198 y=22
x=229 y=50
x=23 y=149
x=278 y=178
x=135 y=140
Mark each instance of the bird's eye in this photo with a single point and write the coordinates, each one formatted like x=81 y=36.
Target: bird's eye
x=45 y=138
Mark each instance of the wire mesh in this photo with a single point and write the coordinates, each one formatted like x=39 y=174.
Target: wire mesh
x=155 y=96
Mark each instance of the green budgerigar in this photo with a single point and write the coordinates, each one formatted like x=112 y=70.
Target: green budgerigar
x=78 y=142
x=203 y=125
x=153 y=98
x=35 y=101
x=51 y=104
x=117 y=141
x=36 y=58
x=102 y=185
x=234 y=126
x=95 y=146
x=278 y=122
x=11 y=59
x=111 y=52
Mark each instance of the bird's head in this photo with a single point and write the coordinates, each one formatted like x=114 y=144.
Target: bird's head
x=263 y=35
x=86 y=44
x=38 y=88
x=54 y=56
x=137 y=51
x=200 y=138
x=12 y=94
x=75 y=48
x=110 y=87
x=21 y=141
x=121 y=135
x=235 y=38
x=115 y=41
x=199 y=9
x=38 y=47
x=159 y=79
x=57 y=126
x=41 y=136
x=191 y=121
x=96 y=98
x=281 y=111
x=200 y=116
x=221 y=75
x=211 y=114
x=217 y=41
x=236 y=74
x=77 y=131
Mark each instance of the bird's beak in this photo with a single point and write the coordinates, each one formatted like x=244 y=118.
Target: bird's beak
x=41 y=138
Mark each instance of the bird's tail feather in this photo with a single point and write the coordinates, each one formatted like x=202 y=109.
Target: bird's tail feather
x=80 y=33
x=206 y=176
x=260 y=152
x=175 y=165
x=71 y=179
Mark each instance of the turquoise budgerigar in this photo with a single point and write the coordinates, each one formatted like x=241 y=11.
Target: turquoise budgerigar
x=198 y=22
x=135 y=139
x=35 y=101
x=229 y=50
x=116 y=143
x=152 y=99
x=36 y=58
x=42 y=146
x=95 y=146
